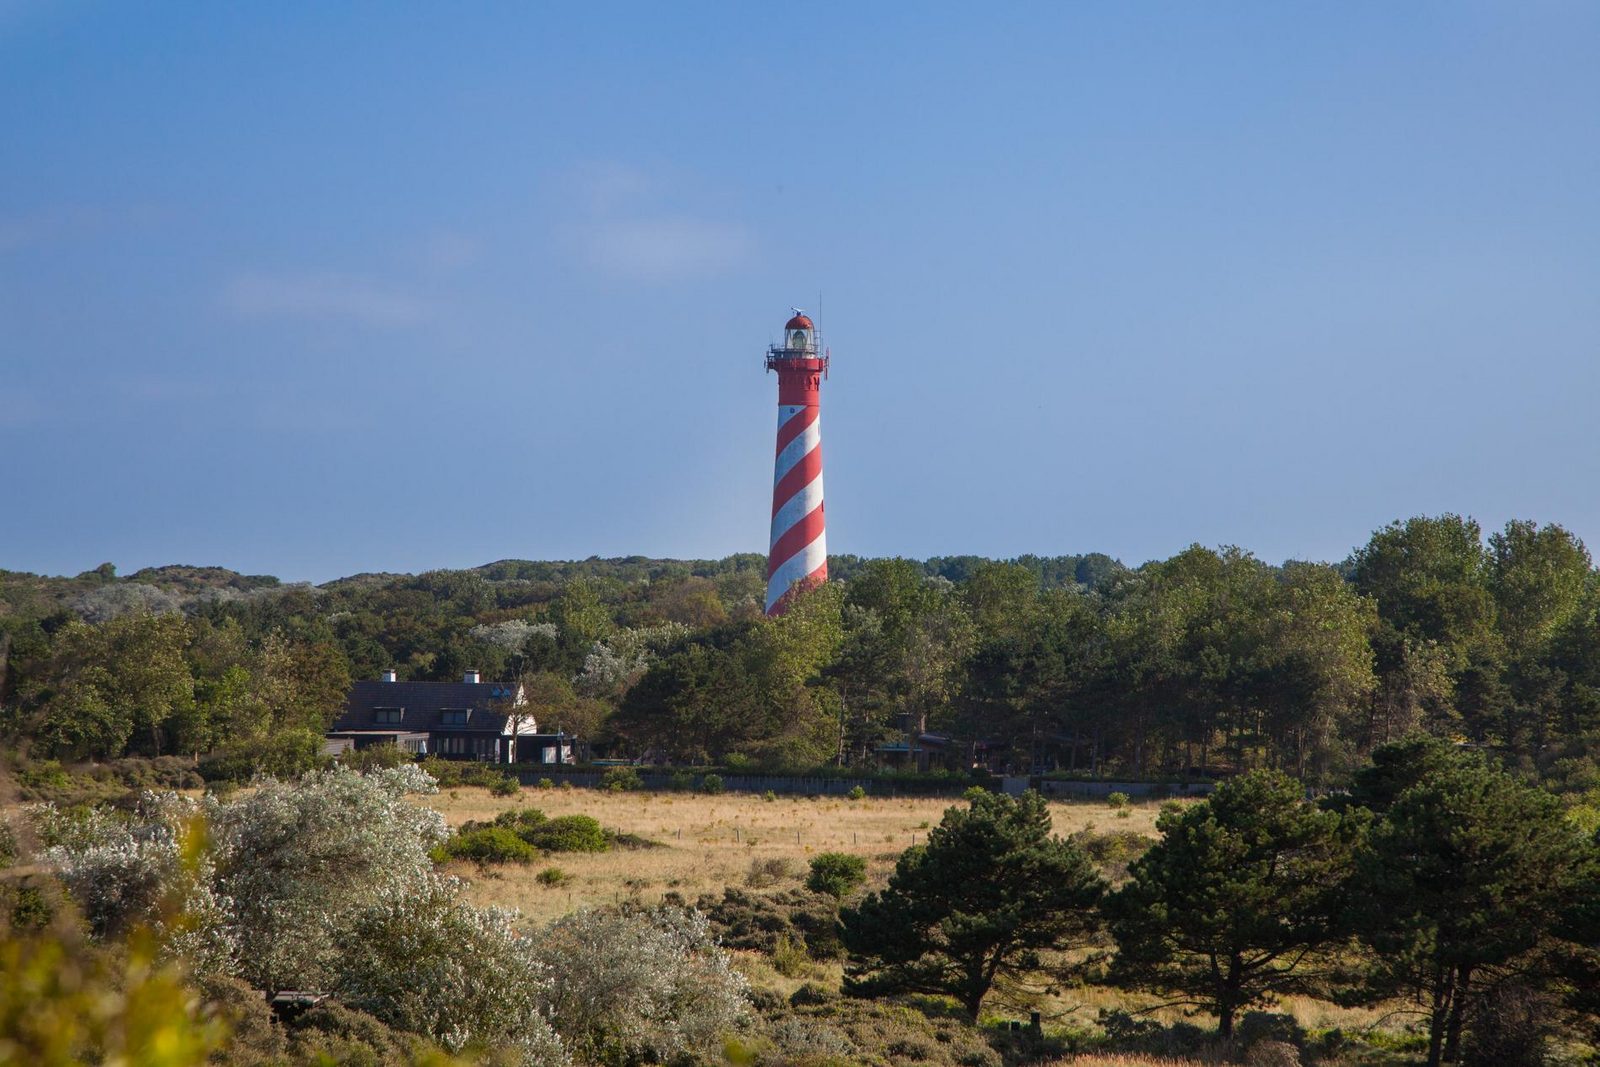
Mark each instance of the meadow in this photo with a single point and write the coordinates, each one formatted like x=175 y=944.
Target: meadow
x=707 y=842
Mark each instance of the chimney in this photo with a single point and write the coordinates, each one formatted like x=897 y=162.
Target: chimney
x=388 y=674
x=471 y=678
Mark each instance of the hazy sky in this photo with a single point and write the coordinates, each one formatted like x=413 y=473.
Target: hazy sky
x=309 y=289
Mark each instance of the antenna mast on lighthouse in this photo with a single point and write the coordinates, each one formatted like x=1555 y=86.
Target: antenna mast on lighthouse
x=798 y=553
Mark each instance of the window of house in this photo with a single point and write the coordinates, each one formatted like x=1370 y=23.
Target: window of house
x=387 y=715
x=454 y=717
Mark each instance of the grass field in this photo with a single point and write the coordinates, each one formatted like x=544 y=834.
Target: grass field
x=710 y=841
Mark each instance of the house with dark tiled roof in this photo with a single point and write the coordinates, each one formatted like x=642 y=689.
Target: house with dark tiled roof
x=469 y=720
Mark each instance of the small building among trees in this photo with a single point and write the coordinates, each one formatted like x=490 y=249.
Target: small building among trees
x=466 y=720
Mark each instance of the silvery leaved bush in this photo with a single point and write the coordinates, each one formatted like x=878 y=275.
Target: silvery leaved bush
x=641 y=985
x=149 y=868
x=432 y=964
x=512 y=634
x=299 y=861
x=616 y=663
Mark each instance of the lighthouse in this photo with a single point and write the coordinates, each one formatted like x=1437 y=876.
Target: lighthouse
x=798 y=552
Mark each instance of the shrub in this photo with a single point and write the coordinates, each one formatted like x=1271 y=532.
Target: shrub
x=836 y=874
x=878 y=1032
x=857 y=793
x=790 y=959
x=766 y=871
x=1114 y=850
x=621 y=779
x=428 y=963
x=545 y=783
x=553 y=877
x=42 y=779
x=812 y=1043
x=631 y=842
x=644 y=986
x=505 y=786
x=567 y=833
x=31 y=909
x=453 y=773
x=330 y=1032
x=62 y=1001
x=298 y=862
x=144 y=869
x=492 y=844
x=375 y=756
x=769 y=796
x=711 y=784
x=755 y=921
x=516 y=818
x=1117 y=801
x=680 y=780
x=285 y=754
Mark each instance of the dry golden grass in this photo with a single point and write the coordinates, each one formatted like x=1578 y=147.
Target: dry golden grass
x=710 y=841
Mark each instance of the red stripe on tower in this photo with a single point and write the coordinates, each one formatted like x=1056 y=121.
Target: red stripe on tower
x=798 y=550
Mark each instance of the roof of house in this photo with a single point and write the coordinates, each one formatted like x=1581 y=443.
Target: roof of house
x=422 y=705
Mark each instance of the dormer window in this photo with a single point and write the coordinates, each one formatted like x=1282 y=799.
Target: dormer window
x=387 y=716
x=454 y=716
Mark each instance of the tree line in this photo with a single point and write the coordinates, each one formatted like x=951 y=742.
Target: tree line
x=1212 y=661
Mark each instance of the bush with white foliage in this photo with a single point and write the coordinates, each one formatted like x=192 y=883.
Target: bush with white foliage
x=512 y=634
x=152 y=868
x=434 y=965
x=613 y=665
x=640 y=985
x=299 y=861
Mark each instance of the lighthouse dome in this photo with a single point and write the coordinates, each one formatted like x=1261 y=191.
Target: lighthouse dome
x=799 y=322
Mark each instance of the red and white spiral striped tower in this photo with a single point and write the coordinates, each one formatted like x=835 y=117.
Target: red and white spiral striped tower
x=799 y=548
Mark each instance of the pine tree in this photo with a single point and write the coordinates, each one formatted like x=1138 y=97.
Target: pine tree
x=988 y=893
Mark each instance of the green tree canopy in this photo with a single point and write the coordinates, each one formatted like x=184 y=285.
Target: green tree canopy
x=980 y=902
x=1466 y=872
x=1238 y=898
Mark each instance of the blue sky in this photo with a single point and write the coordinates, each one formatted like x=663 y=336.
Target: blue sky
x=310 y=289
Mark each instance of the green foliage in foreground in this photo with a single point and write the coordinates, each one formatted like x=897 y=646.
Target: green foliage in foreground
x=989 y=891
